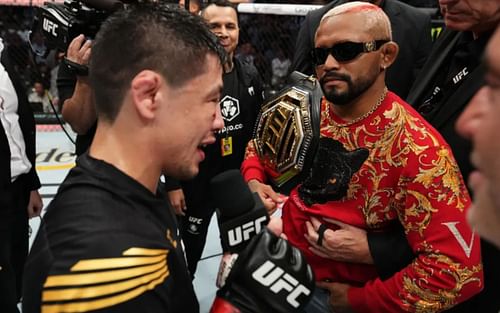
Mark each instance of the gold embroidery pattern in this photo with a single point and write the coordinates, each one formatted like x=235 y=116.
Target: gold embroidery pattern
x=250 y=150
x=443 y=175
x=392 y=140
x=416 y=297
x=410 y=175
x=100 y=283
x=418 y=216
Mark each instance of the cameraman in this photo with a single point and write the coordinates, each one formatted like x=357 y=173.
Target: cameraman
x=75 y=93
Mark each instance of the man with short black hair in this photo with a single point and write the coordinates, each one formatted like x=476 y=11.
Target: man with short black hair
x=109 y=241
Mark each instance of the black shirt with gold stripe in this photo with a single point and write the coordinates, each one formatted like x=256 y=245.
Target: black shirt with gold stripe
x=107 y=244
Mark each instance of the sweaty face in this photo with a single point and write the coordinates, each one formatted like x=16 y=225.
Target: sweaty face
x=479 y=122
x=342 y=82
x=470 y=15
x=189 y=121
x=223 y=22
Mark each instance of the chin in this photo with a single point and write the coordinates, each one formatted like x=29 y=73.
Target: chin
x=187 y=173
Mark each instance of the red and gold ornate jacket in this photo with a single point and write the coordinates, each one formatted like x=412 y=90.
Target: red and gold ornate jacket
x=410 y=176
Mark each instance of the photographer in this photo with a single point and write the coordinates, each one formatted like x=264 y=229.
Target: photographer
x=75 y=93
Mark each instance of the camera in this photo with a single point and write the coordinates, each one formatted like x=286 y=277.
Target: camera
x=56 y=24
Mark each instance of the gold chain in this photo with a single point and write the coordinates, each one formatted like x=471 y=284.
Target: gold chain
x=362 y=117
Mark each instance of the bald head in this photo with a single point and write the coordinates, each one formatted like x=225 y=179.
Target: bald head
x=375 y=22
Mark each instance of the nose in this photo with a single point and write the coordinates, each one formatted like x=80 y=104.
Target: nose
x=331 y=63
x=222 y=32
x=218 y=123
x=470 y=119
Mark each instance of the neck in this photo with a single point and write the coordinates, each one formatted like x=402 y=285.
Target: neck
x=362 y=104
x=115 y=145
x=229 y=65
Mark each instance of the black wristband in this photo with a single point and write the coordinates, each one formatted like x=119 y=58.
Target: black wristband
x=75 y=68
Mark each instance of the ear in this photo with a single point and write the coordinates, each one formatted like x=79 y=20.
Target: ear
x=144 y=90
x=389 y=53
x=357 y=158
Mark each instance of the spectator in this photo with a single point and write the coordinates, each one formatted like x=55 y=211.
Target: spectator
x=280 y=67
x=41 y=95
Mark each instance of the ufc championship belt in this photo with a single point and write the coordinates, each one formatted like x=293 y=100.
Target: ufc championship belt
x=287 y=132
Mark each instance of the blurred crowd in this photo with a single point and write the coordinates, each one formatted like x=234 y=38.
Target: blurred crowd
x=266 y=40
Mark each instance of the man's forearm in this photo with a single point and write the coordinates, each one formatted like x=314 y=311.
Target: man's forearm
x=79 y=110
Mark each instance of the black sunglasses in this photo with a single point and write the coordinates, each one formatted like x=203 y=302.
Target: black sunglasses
x=346 y=51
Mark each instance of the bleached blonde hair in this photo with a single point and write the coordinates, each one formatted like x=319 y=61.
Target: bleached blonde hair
x=375 y=19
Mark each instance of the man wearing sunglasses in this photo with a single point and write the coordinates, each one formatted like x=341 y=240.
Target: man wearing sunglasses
x=411 y=31
x=408 y=177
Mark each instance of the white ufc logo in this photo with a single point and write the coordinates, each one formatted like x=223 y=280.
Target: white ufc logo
x=50 y=27
x=268 y=274
x=243 y=233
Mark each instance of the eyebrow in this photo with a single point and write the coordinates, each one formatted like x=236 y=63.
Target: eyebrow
x=215 y=91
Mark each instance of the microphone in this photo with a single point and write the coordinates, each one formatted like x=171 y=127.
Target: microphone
x=104 y=5
x=241 y=213
x=259 y=271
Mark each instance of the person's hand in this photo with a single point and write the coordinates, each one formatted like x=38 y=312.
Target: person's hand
x=346 y=244
x=269 y=197
x=79 y=50
x=338 y=296
x=177 y=200
x=35 y=204
x=276 y=226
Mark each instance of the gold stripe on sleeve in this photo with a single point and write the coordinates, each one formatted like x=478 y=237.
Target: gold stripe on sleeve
x=100 y=277
x=102 y=303
x=114 y=263
x=100 y=290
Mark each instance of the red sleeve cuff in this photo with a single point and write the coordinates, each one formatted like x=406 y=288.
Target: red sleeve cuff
x=254 y=173
x=252 y=169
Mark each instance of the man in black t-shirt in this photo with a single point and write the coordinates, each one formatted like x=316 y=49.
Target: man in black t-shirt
x=109 y=242
x=240 y=103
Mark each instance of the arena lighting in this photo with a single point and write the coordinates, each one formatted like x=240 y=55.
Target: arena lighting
x=27 y=2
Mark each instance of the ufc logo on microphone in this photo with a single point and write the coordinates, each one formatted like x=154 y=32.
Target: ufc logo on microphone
x=243 y=233
x=268 y=274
